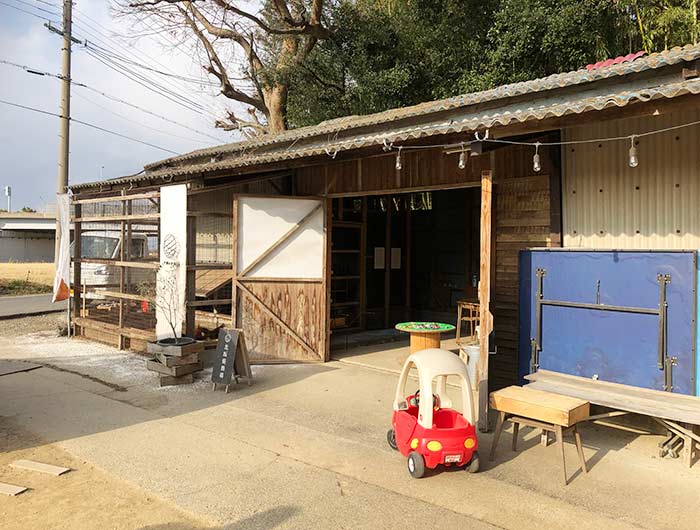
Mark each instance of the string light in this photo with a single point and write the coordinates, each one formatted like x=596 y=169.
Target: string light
x=633 y=161
x=462 y=158
x=536 y=161
x=536 y=166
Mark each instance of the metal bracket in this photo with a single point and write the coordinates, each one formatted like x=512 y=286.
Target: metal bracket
x=664 y=280
x=536 y=342
x=670 y=363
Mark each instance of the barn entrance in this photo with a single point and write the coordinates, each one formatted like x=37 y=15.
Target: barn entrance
x=401 y=257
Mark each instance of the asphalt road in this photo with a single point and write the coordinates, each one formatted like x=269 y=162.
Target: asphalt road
x=29 y=305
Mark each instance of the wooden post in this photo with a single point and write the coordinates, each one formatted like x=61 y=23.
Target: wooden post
x=77 y=267
x=122 y=257
x=327 y=274
x=485 y=317
x=234 y=262
x=363 y=265
x=387 y=260
x=191 y=275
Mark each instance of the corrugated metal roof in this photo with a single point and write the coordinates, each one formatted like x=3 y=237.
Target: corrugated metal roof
x=499 y=106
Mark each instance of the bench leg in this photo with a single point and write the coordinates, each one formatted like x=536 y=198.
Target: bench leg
x=497 y=434
x=516 y=427
x=579 y=448
x=560 y=443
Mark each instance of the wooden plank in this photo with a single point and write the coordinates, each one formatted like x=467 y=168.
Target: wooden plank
x=209 y=266
x=112 y=328
x=277 y=320
x=327 y=244
x=485 y=316
x=11 y=490
x=363 y=265
x=387 y=259
x=204 y=303
x=39 y=467
x=280 y=280
x=539 y=405
x=170 y=380
x=234 y=264
x=125 y=296
x=297 y=226
x=117 y=263
x=174 y=370
x=116 y=218
x=173 y=360
x=655 y=403
x=122 y=197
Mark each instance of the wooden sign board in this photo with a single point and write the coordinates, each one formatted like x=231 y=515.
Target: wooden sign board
x=231 y=359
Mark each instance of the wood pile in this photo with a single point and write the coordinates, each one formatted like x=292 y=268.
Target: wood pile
x=178 y=365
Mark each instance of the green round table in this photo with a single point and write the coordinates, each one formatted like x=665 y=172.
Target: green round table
x=424 y=335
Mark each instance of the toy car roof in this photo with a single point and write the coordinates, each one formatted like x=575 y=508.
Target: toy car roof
x=434 y=362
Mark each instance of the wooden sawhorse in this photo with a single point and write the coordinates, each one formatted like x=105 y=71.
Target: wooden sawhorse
x=541 y=410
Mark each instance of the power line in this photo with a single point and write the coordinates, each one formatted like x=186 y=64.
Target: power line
x=27 y=12
x=91 y=125
x=137 y=122
x=109 y=96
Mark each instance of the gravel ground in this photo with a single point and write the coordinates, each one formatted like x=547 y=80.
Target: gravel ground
x=15 y=327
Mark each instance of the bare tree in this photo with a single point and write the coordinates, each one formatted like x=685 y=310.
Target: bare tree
x=274 y=38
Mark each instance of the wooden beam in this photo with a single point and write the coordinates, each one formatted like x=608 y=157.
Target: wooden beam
x=116 y=330
x=327 y=242
x=117 y=218
x=118 y=263
x=201 y=303
x=122 y=197
x=77 y=267
x=252 y=279
x=298 y=226
x=124 y=296
x=209 y=266
x=190 y=274
x=234 y=263
x=485 y=317
x=277 y=319
x=363 y=266
x=387 y=259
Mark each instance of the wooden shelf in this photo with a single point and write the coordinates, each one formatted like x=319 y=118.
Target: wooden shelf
x=345 y=251
x=345 y=277
x=343 y=304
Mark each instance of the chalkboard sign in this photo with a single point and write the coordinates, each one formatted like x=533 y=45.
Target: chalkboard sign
x=224 y=362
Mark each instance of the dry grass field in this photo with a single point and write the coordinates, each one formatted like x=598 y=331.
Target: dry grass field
x=41 y=273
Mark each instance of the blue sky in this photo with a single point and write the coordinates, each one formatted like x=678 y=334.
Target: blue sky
x=29 y=141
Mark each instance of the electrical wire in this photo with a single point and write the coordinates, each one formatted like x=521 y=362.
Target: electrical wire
x=35 y=71
x=87 y=124
x=81 y=96
x=28 y=12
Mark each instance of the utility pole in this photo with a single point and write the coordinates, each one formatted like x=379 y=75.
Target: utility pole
x=64 y=126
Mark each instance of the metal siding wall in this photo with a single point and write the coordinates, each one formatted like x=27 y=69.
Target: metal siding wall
x=661 y=214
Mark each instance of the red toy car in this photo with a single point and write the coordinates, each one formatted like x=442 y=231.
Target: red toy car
x=429 y=431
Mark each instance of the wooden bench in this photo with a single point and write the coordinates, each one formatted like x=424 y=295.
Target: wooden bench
x=542 y=410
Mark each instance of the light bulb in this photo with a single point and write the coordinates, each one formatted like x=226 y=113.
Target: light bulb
x=462 y=159
x=633 y=159
x=398 y=160
x=536 y=166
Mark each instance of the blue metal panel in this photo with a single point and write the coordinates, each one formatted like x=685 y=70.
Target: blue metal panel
x=610 y=346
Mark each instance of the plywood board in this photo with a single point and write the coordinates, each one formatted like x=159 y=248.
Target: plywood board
x=263 y=221
x=11 y=490
x=539 y=405
x=39 y=467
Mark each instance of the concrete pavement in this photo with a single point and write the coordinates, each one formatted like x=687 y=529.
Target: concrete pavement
x=304 y=447
x=31 y=304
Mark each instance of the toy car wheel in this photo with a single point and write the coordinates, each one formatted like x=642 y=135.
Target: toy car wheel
x=391 y=439
x=473 y=465
x=416 y=465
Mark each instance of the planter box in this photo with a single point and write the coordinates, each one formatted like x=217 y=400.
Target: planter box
x=176 y=371
x=177 y=351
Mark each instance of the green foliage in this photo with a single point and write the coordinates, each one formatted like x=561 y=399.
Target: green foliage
x=388 y=53
x=27 y=209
